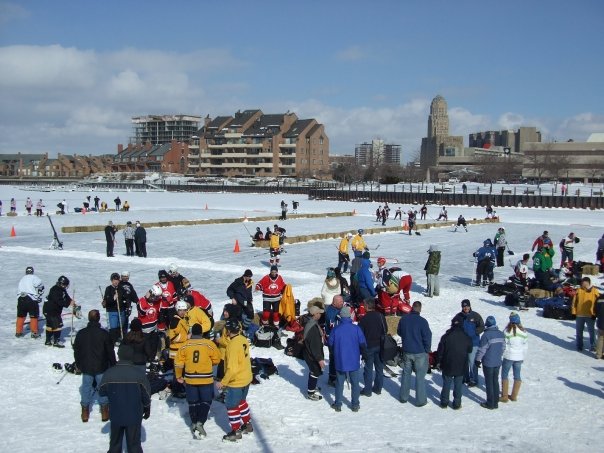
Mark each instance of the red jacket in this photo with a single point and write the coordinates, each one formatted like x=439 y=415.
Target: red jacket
x=167 y=297
x=199 y=300
x=271 y=289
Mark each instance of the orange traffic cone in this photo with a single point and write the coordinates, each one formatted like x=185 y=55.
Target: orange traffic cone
x=236 y=249
x=405 y=226
x=12 y=232
x=206 y=206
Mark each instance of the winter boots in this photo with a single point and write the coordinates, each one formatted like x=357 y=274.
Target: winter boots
x=515 y=390
x=505 y=386
x=85 y=414
x=105 y=412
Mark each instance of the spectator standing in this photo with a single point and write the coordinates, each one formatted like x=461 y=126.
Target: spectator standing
x=584 y=306
x=452 y=358
x=490 y=355
x=373 y=326
x=314 y=339
x=473 y=325
x=432 y=269
x=516 y=343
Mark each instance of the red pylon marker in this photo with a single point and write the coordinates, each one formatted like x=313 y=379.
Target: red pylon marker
x=405 y=226
x=236 y=249
x=12 y=232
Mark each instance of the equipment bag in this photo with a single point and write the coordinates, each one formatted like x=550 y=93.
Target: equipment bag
x=388 y=348
x=263 y=338
x=554 y=312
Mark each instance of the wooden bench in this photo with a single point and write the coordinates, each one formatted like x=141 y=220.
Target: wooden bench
x=442 y=189
x=506 y=192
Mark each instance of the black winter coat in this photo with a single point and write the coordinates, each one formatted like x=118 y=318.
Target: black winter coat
x=313 y=345
x=453 y=350
x=93 y=349
x=140 y=235
x=109 y=299
x=110 y=233
x=373 y=326
x=127 y=294
x=57 y=300
x=129 y=392
x=600 y=313
x=240 y=292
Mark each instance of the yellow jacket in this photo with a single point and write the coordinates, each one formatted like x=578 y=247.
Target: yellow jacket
x=343 y=248
x=274 y=241
x=287 y=306
x=197 y=316
x=584 y=302
x=223 y=343
x=237 y=363
x=194 y=361
x=177 y=335
x=358 y=243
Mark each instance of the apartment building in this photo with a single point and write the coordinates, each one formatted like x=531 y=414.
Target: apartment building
x=169 y=157
x=251 y=143
x=160 y=129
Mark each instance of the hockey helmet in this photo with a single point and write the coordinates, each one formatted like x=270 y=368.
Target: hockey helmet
x=29 y=270
x=173 y=269
x=181 y=305
x=162 y=274
x=360 y=231
x=115 y=276
x=381 y=261
x=232 y=325
x=126 y=274
x=63 y=281
x=349 y=235
x=156 y=291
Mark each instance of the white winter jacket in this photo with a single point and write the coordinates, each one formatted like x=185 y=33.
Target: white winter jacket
x=515 y=345
x=331 y=288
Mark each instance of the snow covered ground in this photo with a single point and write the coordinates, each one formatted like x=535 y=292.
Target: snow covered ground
x=559 y=404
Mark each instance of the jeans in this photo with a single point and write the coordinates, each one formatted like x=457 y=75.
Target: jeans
x=373 y=360
x=419 y=363
x=515 y=365
x=580 y=326
x=457 y=382
x=235 y=395
x=114 y=320
x=86 y=390
x=491 y=377
x=199 y=398
x=472 y=370
x=354 y=377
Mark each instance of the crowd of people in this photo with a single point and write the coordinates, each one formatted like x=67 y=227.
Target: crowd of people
x=175 y=329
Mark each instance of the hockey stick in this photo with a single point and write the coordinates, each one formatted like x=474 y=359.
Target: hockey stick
x=62 y=377
x=73 y=311
x=106 y=314
x=119 y=314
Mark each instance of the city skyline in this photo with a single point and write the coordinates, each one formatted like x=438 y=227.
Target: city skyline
x=75 y=73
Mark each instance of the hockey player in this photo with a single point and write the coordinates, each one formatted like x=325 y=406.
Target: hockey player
x=29 y=292
x=240 y=293
x=411 y=220
x=485 y=258
x=358 y=243
x=148 y=309
x=180 y=282
x=258 y=236
x=57 y=299
x=542 y=241
x=179 y=328
x=443 y=215
x=127 y=296
x=195 y=299
x=275 y=247
x=461 y=221
x=343 y=256
x=423 y=212
x=28 y=205
x=272 y=287
x=115 y=309
x=39 y=206
x=236 y=380
x=166 y=309
x=193 y=365
x=567 y=247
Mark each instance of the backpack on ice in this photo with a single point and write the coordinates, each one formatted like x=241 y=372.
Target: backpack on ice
x=263 y=367
x=555 y=312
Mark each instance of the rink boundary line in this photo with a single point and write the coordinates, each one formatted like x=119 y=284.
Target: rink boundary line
x=95 y=228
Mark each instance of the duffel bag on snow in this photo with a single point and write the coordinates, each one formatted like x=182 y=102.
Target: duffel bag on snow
x=497 y=289
x=294 y=348
x=263 y=338
x=554 y=312
x=388 y=348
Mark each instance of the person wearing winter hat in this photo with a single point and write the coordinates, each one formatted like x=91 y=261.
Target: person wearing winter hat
x=313 y=351
x=240 y=293
x=432 y=269
x=364 y=279
x=349 y=345
x=331 y=286
x=490 y=355
x=343 y=256
x=473 y=325
x=516 y=343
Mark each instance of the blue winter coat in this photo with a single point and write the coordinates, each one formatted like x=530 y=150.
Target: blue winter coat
x=348 y=343
x=332 y=318
x=129 y=392
x=364 y=278
x=486 y=252
x=492 y=345
x=473 y=325
x=415 y=333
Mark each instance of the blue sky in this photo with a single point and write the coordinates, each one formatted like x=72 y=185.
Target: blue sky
x=72 y=73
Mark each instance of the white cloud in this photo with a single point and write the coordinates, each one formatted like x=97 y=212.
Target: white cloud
x=352 y=53
x=10 y=12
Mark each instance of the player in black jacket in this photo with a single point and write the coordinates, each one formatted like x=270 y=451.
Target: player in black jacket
x=127 y=296
x=240 y=293
x=53 y=308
